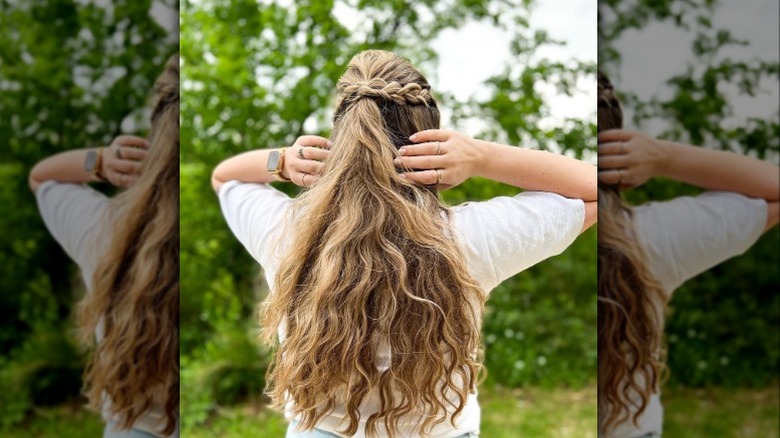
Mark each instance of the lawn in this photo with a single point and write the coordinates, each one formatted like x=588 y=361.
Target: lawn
x=533 y=412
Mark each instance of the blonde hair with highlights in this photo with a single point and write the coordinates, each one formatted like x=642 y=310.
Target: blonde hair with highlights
x=631 y=302
x=375 y=264
x=135 y=288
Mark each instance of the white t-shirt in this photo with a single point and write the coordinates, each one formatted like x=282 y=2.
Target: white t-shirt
x=682 y=238
x=500 y=237
x=73 y=213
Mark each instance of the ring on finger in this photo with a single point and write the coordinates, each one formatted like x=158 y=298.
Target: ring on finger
x=300 y=153
x=620 y=176
x=303 y=179
x=119 y=152
x=438 y=176
x=438 y=148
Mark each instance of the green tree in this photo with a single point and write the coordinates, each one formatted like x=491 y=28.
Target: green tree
x=257 y=76
x=70 y=74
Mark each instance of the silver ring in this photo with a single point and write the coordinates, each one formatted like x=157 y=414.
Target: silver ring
x=119 y=152
x=438 y=148
x=303 y=179
x=300 y=153
x=438 y=176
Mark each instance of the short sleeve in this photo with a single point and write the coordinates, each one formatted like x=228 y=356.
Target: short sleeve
x=254 y=213
x=506 y=235
x=72 y=215
x=690 y=234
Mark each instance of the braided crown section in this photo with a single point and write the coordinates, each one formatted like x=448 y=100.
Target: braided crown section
x=408 y=94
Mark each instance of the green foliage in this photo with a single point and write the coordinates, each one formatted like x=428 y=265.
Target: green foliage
x=257 y=76
x=70 y=74
x=722 y=326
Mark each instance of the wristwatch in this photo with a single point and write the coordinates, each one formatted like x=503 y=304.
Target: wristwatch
x=93 y=162
x=276 y=164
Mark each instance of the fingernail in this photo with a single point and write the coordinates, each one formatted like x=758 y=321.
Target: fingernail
x=330 y=143
x=402 y=151
x=412 y=137
x=397 y=161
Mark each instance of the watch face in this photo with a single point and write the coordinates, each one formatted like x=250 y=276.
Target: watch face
x=273 y=161
x=89 y=162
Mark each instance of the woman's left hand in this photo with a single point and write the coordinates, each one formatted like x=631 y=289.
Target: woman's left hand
x=122 y=160
x=303 y=161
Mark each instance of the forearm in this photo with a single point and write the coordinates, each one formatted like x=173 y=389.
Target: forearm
x=539 y=170
x=720 y=170
x=248 y=167
x=63 y=167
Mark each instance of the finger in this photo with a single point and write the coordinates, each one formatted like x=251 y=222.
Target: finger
x=614 y=135
x=431 y=135
x=308 y=166
x=613 y=148
x=313 y=140
x=132 y=154
x=125 y=166
x=419 y=162
x=609 y=177
x=424 y=177
x=129 y=180
x=310 y=153
x=612 y=162
x=430 y=148
x=131 y=140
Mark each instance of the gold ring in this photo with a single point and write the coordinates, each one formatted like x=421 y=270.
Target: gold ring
x=438 y=176
x=438 y=148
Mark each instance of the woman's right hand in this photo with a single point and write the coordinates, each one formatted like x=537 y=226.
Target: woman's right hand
x=629 y=158
x=440 y=157
x=303 y=160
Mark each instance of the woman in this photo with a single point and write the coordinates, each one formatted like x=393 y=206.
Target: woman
x=647 y=251
x=377 y=287
x=128 y=250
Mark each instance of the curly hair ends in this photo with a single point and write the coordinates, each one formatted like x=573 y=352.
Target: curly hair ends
x=631 y=302
x=375 y=267
x=135 y=289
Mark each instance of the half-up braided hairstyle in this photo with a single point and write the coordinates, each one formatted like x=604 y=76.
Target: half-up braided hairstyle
x=631 y=301
x=374 y=270
x=134 y=297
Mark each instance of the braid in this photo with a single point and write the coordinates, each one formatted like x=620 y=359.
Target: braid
x=377 y=88
x=610 y=116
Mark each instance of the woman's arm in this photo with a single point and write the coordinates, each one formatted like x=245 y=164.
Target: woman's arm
x=631 y=158
x=119 y=165
x=451 y=158
x=251 y=167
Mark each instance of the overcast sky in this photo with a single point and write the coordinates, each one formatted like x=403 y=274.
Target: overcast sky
x=661 y=50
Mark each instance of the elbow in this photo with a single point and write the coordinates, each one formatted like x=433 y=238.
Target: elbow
x=216 y=179
x=33 y=178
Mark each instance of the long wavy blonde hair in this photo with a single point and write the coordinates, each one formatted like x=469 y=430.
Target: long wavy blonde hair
x=371 y=260
x=631 y=302
x=135 y=288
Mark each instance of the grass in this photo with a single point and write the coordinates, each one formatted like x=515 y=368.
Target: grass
x=506 y=413
x=720 y=412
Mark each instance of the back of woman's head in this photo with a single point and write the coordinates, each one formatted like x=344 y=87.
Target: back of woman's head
x=630 y=300
x=372 y=266
x=135 y=287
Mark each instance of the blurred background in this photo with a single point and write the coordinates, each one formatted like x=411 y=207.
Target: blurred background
x=706 y=73
x=73 y=74
x=257 y=74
